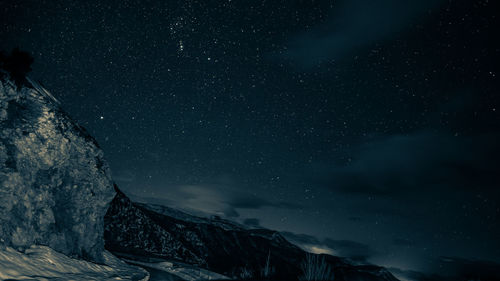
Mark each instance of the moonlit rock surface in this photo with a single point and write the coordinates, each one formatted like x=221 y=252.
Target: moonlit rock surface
x=43 y=263
x=55 y=186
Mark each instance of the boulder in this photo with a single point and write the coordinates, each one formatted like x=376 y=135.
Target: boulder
x=55 y=185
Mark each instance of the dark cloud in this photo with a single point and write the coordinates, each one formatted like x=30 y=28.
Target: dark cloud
x=343 y=248
x=252 y=222
x=355 y=24
x=301 y=238
x=347 y=248
x=424 y=160
x=402 y=242
x=452 y=268
x=230 y=212
x=471 y=269
x=218 y=199
x=252 y=202
x=236 y=201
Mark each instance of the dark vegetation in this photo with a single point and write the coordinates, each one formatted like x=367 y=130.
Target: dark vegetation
x=17 y=64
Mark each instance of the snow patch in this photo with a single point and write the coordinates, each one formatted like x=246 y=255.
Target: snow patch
x=183 y=271
x=43 y=263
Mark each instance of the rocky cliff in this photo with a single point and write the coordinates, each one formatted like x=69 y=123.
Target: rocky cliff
x=55 y=186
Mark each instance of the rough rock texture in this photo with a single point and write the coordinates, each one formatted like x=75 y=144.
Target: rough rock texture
x=130 y=230
x=147 y=232
x=55 y=186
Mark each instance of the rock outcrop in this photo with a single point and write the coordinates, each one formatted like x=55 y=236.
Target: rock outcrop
x=129 y=229
x=55 y=186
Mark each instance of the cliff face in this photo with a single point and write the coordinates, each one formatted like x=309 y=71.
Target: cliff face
x=55 y=186
x=130 y=230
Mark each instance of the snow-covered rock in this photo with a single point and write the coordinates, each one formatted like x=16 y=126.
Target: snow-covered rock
x=183 y=271
x=55 y=186
x=43 y=263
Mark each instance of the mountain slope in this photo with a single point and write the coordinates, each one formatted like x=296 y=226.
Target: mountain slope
x=151 y=232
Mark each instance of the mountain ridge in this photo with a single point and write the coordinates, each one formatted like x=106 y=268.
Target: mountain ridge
x=213 y=243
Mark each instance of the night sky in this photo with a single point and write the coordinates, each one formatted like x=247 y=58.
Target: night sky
x=365 y=129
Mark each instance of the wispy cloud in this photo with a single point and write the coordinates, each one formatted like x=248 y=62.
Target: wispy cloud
x=424 y=160
x=216 y=199
x=355 y=24
x=344 y=248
